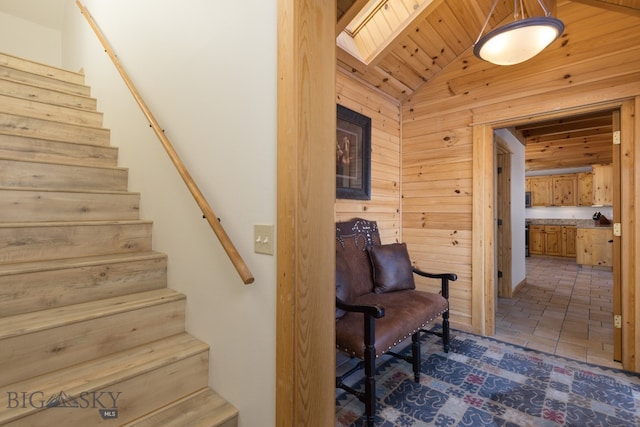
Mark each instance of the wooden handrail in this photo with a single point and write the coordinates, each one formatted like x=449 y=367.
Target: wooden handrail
x=208 y=213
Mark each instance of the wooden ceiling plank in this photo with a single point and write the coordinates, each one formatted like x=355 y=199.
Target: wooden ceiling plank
x=415 y=59
x=448 y=26
x=423 y=11
x=628 y=7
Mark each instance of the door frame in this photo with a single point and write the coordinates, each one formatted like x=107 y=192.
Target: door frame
x=483 y=244
x=305 y=276
x=504 y=236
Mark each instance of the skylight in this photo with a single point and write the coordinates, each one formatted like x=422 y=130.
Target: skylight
x=379 y=22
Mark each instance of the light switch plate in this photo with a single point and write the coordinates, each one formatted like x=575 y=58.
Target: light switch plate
x=263 y=241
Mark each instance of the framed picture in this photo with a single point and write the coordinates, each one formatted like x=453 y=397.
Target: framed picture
x=353 y=155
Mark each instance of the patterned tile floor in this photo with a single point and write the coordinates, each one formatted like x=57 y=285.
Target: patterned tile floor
x=564 y=309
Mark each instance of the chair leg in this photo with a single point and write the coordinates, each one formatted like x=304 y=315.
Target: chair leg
x=415 y=353
x=370 y=385
x=445 y=331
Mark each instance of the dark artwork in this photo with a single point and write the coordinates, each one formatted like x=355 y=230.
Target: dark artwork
x=353 y=155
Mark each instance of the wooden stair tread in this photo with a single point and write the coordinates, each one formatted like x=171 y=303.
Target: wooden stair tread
x=104 y=372
x=16 y=124
x=44 y=70
x=51 y=96
x=50 y=204
x=68 y=190
x=47 y=111
x=53 y=318
x=43 y=149
x=47 y=265
x=204 y=408
x=41 y=162
x=71 y=223
x=42 y=174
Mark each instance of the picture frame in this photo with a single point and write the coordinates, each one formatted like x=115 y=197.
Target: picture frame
x=353 y=155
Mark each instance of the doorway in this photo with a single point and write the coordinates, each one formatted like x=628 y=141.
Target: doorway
x=500 y=289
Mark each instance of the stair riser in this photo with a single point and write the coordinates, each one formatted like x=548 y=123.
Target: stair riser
x=56 y=113
x=138 y=396
x=22 y=357
x=17 y=174
x=46 y=71
x=40 y=290
x=28 y=206
x=42 y=150
x=32 y=243
x=35 y=93
x=45 y=129
x=44 y=82
x=205 y=408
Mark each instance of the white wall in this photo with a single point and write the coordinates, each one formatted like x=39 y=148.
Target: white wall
x=23 y=38
x=518 y=268
x=207 y=70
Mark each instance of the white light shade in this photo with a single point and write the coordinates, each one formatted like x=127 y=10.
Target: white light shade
x=518 y=41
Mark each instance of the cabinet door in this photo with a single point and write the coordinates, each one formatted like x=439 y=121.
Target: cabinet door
x=569 y=241
x=603 y=185
x=564 y=190
x=541 y=191
x=536 y=239
x=594 y=246
x=553 y=240
x=585 y=189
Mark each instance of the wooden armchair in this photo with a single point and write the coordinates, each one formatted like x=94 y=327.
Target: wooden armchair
x=377 y=305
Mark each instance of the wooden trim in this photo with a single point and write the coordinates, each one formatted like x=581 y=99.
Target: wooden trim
x=482 y=284
x=630 y=256
x=617 y=287
x=503 y=204
x=233 y=254
x=305 y=349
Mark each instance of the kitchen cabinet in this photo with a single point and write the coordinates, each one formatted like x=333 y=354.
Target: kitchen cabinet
x=536 y=240
x=569 y=241
x=594 y=246
x=541 y=190
x=578 y=189
x=565 y=189
x=585 y=189
x=553 y=240
x=553 y=190
x=603 y=185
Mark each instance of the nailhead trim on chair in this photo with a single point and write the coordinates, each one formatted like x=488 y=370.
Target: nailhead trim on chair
x=399 y=341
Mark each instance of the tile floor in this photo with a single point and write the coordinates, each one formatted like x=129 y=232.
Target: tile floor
x=564 y=309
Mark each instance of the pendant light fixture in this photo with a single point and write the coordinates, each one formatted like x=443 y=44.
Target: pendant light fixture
x=519 y=40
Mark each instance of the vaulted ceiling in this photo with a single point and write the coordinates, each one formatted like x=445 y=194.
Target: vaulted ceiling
x=444 y=30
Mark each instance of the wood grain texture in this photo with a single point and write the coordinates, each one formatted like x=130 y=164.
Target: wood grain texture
x=306 y=232
x=14 y=124
x=42 y=150
x=41 y=285
x=66 y=336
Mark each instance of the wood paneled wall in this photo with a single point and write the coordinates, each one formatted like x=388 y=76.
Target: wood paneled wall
x=595 y=64
x=384 y=206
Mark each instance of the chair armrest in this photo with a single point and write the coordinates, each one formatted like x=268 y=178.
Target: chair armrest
x=373 y=310
x=444 y=279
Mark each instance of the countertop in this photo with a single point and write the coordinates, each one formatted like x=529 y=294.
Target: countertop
x=579 y=223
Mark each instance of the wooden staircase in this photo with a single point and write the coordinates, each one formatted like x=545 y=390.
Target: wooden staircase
x=89 y=332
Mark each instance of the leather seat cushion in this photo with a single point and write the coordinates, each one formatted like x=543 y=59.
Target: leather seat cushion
x=405 y=312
